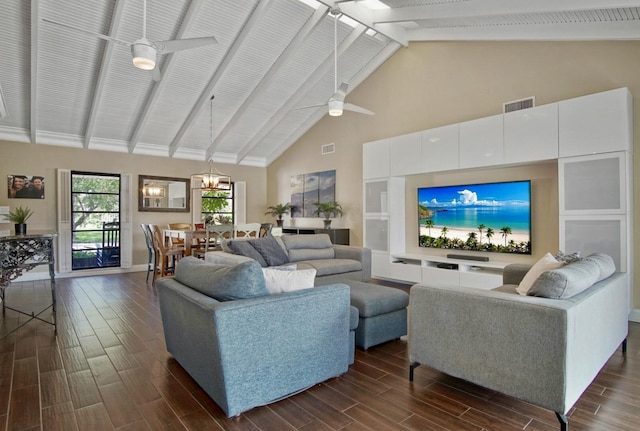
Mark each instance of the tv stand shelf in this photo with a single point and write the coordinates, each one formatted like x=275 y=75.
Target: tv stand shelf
x=443 y=271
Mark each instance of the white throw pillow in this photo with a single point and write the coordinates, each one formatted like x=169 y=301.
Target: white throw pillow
x=279 y=281
x=547 y=263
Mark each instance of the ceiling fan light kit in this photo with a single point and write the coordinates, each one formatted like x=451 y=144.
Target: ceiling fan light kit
x=144 y=55
x=335 y=108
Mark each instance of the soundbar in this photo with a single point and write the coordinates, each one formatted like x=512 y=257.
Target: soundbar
x=468 y=257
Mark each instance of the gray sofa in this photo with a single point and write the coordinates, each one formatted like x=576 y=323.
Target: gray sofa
x=332 y=262
x=541 y=350
x=248 y=348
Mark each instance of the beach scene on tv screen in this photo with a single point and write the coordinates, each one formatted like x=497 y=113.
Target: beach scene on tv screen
x=493 y=217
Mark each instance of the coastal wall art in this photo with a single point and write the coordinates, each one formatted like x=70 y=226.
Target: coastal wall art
x=306 y=189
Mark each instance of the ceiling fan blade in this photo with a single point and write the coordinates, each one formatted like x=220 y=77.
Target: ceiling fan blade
x=155 y=73
x=310 y=106
x=358 y=109
x=342 y=91
x=168 y=46
x=90 y=33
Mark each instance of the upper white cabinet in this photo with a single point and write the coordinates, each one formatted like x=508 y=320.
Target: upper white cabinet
x=405 y=154
x=531 y=134
x=375 y=159
x=440 y=149
x=482 y=142
x=597 y=123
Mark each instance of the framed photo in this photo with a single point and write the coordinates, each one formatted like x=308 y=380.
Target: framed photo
x=25 y=186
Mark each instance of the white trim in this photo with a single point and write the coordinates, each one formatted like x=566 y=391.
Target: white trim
x=634 y=316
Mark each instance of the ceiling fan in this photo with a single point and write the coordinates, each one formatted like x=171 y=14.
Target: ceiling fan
x=336 y=102
x=143 y=50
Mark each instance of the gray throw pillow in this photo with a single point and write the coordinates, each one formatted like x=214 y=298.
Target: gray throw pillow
x=222 y=282
x=270 y=250
x=605 y=263
x=567 y=281
x=245 y=248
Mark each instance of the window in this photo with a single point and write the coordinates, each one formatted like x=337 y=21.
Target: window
x=217 y=206
x=95 y=212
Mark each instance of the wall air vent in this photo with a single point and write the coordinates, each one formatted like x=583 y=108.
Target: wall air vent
x=517 y=105
x=328 y=149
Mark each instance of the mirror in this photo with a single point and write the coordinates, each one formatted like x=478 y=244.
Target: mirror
x=163 y=194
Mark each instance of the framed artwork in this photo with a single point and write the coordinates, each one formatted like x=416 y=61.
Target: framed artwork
x=306 y=189
x=20 y=186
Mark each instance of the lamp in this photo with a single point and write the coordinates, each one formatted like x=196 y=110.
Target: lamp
x=144 y=55
x=153 y=191
x=335 y=108
x=212 y=179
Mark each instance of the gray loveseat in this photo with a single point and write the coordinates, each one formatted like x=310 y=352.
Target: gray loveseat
x=541 y=350
x=332 y=262
x=248 y=348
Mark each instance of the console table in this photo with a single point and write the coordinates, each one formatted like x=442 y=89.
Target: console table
x=22 y=253
x=337 y=236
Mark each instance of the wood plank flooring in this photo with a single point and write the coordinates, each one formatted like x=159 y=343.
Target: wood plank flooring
x=108 y=369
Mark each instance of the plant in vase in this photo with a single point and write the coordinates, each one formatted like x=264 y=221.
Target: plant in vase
x=328 y=210
x=278 y=211
x=19 y=216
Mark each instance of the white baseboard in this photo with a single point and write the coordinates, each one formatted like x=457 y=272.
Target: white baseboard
x=44 y=274
x=634 y=316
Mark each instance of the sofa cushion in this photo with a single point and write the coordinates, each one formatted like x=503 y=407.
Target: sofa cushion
x=279 y=280
x=333 y=266
x=222 y=282
x=270 y=250
x=308 y=247
x=245 y=248
x=605 y=263
x=561 y=256
x=546 y=263
x=567 y=281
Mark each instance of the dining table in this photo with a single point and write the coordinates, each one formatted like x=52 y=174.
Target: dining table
x=187 y=235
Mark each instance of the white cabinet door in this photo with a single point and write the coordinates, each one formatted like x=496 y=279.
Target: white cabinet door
x=597 y=123
x=531 y=134
x=482 y=142
x=375 y=159
x=440 y=149
x=405 y=154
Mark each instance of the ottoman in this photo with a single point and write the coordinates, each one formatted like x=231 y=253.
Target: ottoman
x=382 y=312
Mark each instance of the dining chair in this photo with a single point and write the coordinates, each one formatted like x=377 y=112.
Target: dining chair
x=148 y=238
x=265 y=229
x=216 y=233
x=246 y=229
x=178 y=226
x=166 y=255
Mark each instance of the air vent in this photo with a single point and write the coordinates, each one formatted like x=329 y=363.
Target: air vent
x=328 y=149
x=517 y=105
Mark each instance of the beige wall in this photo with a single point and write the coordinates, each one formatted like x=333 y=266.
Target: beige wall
x=33 y=159
x=433 y=84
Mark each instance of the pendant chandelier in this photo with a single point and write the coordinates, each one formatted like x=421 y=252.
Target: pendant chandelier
x=212 y=179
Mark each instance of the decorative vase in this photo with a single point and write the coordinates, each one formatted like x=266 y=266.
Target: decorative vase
x=21 y=228
x=279 y=222
x=327 y=224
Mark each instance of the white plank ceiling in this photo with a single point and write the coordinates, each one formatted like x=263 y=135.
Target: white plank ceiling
x=62 y=87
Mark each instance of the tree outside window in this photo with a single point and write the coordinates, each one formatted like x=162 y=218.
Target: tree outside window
x=217 y=206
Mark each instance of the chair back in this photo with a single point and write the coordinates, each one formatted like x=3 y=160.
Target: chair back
x=148 y=238
x=158 y=238
x=110 y=234
x=216 y=233
x=265 y=229
x=179 y=226
x=247 y=229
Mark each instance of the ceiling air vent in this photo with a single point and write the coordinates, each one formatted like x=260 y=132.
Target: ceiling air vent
x=517 y=105
x=328 y=149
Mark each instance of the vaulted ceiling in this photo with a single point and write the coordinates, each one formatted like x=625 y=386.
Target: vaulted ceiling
x=65 y=87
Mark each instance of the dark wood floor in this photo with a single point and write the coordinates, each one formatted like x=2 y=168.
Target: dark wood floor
x=108 y=369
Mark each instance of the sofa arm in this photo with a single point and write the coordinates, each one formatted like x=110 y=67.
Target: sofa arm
x=361 y=254
x=250 y=352
x=514 y=273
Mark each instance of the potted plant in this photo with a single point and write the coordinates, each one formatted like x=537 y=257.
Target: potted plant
x=278 y=211
x=19 y=216
x=328 y=210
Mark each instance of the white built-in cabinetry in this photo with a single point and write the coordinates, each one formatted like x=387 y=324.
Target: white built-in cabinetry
x=590 y=136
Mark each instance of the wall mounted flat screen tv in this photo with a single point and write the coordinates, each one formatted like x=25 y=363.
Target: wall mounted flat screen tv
x=494 y=217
